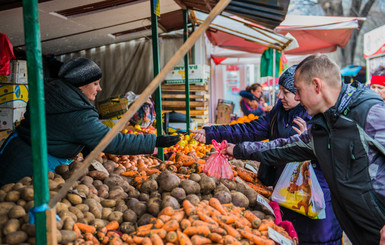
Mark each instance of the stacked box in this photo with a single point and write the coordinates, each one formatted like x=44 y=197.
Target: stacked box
x=113 y=107
x=13 y=95
x=199 y=73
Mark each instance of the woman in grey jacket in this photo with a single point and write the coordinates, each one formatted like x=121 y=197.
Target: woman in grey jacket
x=72 y=124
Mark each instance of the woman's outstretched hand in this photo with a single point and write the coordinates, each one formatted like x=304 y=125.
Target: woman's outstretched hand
x=199 y=135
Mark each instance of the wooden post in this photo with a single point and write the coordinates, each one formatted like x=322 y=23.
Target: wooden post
x=139 y=102
x=51 y=226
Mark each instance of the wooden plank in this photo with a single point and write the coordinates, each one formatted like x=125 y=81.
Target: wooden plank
x=192 y=112
x=183 y=96
x=178 y=104
x=181 y=87
x=51 y=226
x=201 y=120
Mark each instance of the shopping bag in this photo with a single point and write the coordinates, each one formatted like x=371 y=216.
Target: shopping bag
x=298 y=189
x=217 y=164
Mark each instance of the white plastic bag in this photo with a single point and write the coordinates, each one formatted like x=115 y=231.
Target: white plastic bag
x=298 y=189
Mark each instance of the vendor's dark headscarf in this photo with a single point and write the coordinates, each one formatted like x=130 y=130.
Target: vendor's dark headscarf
x=287 y=79
x=80 y=71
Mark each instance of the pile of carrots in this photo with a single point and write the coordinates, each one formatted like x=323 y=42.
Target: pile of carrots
x=209 y=222
x=251 y=180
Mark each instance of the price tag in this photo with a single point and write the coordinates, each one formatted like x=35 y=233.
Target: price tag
x=251 y=168
x=98 y=166
x=278 y=238
x=264 y=203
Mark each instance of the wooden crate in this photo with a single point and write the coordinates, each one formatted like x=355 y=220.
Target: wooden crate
x=174 y=99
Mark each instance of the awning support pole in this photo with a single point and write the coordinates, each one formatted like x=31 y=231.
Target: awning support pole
x=37 y=114
x=273 y=95
x=186 y=71
x=155 y=58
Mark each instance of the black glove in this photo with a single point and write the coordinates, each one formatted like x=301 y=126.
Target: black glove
x=166 y=140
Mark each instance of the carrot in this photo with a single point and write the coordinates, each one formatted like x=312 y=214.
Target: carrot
x=193 y=217
x=231 y=231
x=144 y=227
x=228 y=239
x=215 y=203
x=155 y=239
x=128 y=239
x=197 y=230
x=86 y=228
x=254 y=220
x=164 y=218
x=245 y=242
x=138 y=239
x=144 y=233
x=206 y=218
x=101 y=235
x=160 y=232
x=228 y=219
x=212 y=211
x=184 y=159
x=256 y=232
x=146 y=241
x=77 y=231
x=183 y=239
x=172 y=237
x=158 y=223
x=188 y=208
x=130 y=173
x=113 y=225
x=215 y=237
x=90 y=237
x=178 y=216
x=255 y=239
x=171 y=225
x=245 y=176
x=115 y=241
x=200 y=240
x=152 y=171
x=167 y=211
x=218 y=230
x=185 y=223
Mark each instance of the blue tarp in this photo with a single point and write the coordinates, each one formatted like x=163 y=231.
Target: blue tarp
x=350 y=70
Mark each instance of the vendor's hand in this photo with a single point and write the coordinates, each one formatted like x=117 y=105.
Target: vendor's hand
x=230 y=150
x=166 y=140
x=382 y=236
x=301 y=124
x=199 y=135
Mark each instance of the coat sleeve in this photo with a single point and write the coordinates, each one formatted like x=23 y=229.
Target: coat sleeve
x=279 y=151
x=90 y=131
x=255 y=130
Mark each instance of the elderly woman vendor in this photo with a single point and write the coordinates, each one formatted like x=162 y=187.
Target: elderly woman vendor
x=72 y=124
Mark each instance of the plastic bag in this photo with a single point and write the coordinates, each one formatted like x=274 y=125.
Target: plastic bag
x=298 y=189
x=145 y=116
x=217 y=164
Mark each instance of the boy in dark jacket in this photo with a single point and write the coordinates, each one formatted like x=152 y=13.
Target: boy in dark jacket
x=72 y=124
x=347 y=137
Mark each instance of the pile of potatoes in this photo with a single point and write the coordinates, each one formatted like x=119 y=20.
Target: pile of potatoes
x=98 y=198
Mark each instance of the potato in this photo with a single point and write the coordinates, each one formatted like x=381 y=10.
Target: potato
x=153 y=206
x=87 y=180
x=68 y=223
x=12 y=196
x=108 y=203
x=97 y=183
x=195 y=177
x=109 y=166
x=75 y=165
x=17 y=186
x=120 y=202
x=83 y=207
x=116 y=216
x=29 y=205
x=270 y=217
x=89 y=217
x=145 y=219
x=132 y=202
x=61 y=207
x=26 y=181
x=3 y=220
x=65 y=214
x=130 y=216
x=8 y=187
x=61 y=169
x=140 y=209
x=179 y=194
x=121 y=208
x=103 y=191
x=239 y=199
x=67 y=236
x=207 y=184
x=119 y=170
x=106 y=212
x=221 y=187
x=149 y=186
x=32 y=240
x=76 y=211
x=170 y=201
x=144 y=197
x=168 y=181
x=21 y=202
x=190 y=187
x=16 y=212
x=60 y=181
x=165 y=194
x=259 y=214
x=127 y=227
x=133 y=193
x=155 y=194
x=11 y=226
x=95 y=174
x=117 y=193
x=95 y=197
x=83 y=189
x=29 y=229
x=3 y=194
x=206 y=197
x=16 y=237
x=114 y=180
x=59 y=224
x=100 y=223
x=223 y=196
x=194 y=199
x=58 y=236
x=248 y=192
x=5 y=207
x=75 y=199
x=52 y=194
x=231 y=185
x=95 y=208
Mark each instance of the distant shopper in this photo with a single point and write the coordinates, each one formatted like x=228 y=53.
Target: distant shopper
x=377 y=82
x=250 y=102
x=72 y=124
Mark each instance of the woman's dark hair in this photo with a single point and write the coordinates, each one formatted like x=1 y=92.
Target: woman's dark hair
x=253 y=87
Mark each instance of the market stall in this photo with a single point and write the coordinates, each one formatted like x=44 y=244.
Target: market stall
x=374 y=51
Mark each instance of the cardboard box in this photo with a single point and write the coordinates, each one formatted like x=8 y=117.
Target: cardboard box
x=13 y=96
x=174 y=127
x=18 y=73
x=113 y=107
x=197 y=74
x=4 y=135
x=10 y=116
x=224 y=111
